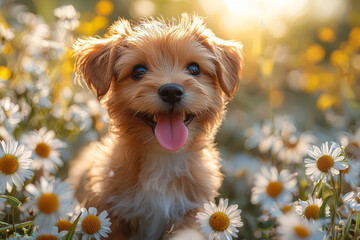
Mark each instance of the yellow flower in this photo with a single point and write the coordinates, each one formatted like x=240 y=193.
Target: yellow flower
x=326 y=101
x=315 y=53
x=339 y=58
x=104 y=7
x=326 y=35
x=5 y=73
x=354 y=37
x=100 y=22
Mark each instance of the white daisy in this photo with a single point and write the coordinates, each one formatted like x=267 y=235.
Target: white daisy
x=242 y=165
x=45 y=148
x=51 y=199
x=219 y=222
x=92 y=226
x=352 y=199
x=10 y=113
x=292 y=148
x=280 y=209
x=351 y=142
x=325 y=161
x=68 y=16
x=351 y=173
x=15 y=165
x=47 y=234
x=272 y=188
x=310 y=209
x=292 y=227
x=260 y=136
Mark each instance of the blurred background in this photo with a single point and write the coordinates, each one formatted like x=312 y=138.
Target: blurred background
x=301 y=78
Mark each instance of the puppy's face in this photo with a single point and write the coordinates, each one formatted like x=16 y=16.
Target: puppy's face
x=162 y=84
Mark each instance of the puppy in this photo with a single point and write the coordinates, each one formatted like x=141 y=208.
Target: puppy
x=165 y=84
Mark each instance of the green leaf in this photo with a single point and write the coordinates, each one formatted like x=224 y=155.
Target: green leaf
x=71 y=233
x=265 y=225
x=347 y=228
x=13 y=201
x=323 y=207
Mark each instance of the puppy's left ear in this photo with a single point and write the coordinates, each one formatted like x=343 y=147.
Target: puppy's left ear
x=229 y=63
x=95 y=61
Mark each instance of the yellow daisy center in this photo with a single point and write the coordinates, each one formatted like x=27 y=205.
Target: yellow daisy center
x=219 y=221
x=63 y=225
x=301 y=231
x=286 y=209
x=346 y=170
x=274 y=189
x=8 y=164
x=324 y=163
x=352 y=147
x=312 y=211
x=91 y=224
x=291 y=144
x=48 y=203
x=46 y=237
x=42 y=149
x=357 y=198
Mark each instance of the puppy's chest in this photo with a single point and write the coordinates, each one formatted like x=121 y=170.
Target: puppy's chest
x=162 y=190
x=164 y=182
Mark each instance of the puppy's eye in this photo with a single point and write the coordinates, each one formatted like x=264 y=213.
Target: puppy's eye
x=194 y=69
x=138 y=72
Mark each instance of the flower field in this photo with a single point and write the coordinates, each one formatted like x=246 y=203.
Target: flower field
x=290 y=143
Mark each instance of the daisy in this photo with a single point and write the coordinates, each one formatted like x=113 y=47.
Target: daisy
x=219 y=222
x=15 y=165
x=10 y=114
x=280 y=209
x=325 y=161
x=352 y=199
x=51 y=199
x=45 y=148
x=260 y=136
x=92 y=226
x=242 y=165
x=310 y=209
x=47 y=234
x=272 y=188
x=351 y=142
x=351 y=173
x=291 y=227
x=292 y=148
x=68 y=17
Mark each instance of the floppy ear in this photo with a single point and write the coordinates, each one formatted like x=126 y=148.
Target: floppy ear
x=229 y=64
x=95 y=57
x=95 y=60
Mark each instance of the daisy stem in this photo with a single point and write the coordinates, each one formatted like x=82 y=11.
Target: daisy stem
x=340 y=184
x=16 y=226
x=13 y=217
x=357 y=226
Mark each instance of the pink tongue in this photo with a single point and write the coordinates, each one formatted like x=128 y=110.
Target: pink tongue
x=171 y=131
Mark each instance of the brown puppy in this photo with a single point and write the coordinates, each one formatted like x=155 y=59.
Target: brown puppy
x=165 y=85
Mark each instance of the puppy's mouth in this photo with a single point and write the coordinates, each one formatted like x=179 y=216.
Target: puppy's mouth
x=170 y=128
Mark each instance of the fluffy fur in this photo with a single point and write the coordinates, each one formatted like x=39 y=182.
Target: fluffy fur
x=150 y=192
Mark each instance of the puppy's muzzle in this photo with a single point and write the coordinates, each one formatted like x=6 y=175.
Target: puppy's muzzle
x=171 y=93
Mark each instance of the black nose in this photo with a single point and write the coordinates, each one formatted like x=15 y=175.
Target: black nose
x=171 y=93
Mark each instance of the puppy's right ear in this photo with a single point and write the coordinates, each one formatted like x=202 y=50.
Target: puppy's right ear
x=95 y=57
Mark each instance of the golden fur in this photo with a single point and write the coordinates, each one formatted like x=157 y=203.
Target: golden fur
x=145 y=188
